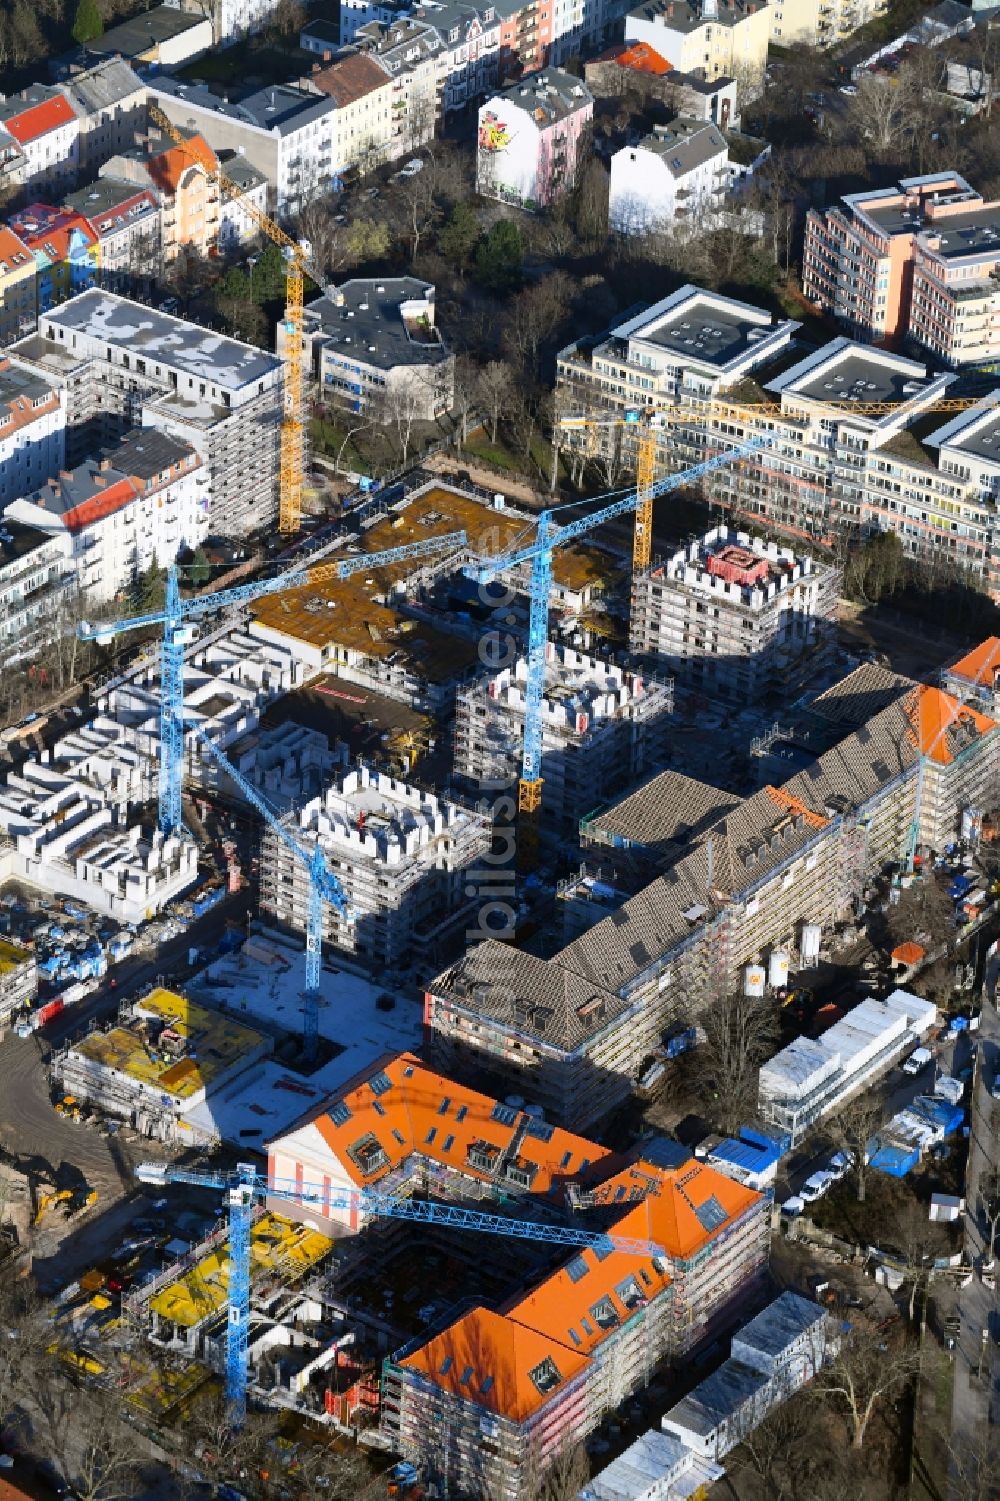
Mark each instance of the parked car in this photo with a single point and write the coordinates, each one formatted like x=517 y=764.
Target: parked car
x=840 y=1165
x=850 y=89
x=815 y=1186
x=793 y=1207
x=918 y=1059
x=412 y=167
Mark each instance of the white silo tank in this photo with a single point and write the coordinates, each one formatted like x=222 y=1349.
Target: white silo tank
x=754 y=980
x=812 y=935
x=777 y=970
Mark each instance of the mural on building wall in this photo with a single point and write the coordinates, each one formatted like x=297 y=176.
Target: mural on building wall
x=494 y=134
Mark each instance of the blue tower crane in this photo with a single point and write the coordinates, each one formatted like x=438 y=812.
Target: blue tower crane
x=246 y=1185
x=346 y=566
x=176 y=635
x=323 y=887
x=538 y=553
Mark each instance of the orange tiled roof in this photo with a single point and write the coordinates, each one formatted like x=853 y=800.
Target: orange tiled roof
x=908 y=953
x=167 y=167
x=38 y=119
x=935 y=716
x=10 y=246
x=670 y=1216
x=488 y=1359
x=638 y=56
x=120 y=494
x=788 y=803
x=421 y=1111
x=586 y=1300
x=981 y=665
x=43 y=228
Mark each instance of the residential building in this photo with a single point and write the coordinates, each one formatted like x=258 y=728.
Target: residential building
x=403 y=858
x=975 y=677
x=286 y=132
x=734 y=616
x=232 y=20
x=126 y=220
x=413 y=55
x=716 y=38
x=601 y=727
x=162 y=37
x=324 y=38
x=635 y=68
x=39 y=140
x=184 y=181
x=689 y=346
x=110 y=103
x=36 y=578
x=520 y=1381
x=18 y=979
x=820 y=23
x=784 y=1347
x=122 y=364
x=139 y=505
x=238 y=224
x=765 y=876
x=65 y=248
x=470 y=39
x=368 y=124
x=529 y=139
x=809 y=1080
x=912 y=262
x=374 y=345
x=17 y=287
x=32 y=430
x=679 y=172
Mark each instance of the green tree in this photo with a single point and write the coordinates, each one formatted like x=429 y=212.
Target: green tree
x=460 y=236
x=88 y=23
x=199 y=568
x=149 y=590
x=499 y=257
x=368 y=240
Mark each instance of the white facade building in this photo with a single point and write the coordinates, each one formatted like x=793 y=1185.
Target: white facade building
x=237 y=225
x=39 y=139
x=669 y=175
x=32 y=431
x=231 y=19
x=36 y=576
x=110 y=102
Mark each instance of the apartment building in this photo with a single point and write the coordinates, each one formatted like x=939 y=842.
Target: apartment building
x=286 y=132
x=735 y=616
x=470 y=42
x=139 y=505
x=912 y=262
x=685 y=348
x=636 y=68
x=109 y=100
x=716 y=38
x=238 y=225
x=366 y=122
x=601 y=727
x=184 y=183
x=680 y=172
x=232 y=20
x=529 y=139
x=575 y=1031
x=17 y=287
x=39 y=140
x=403 y=858
x=975 y=677
x=121 y=364
x=126 y=220
x=18 y=979
x=32 y=430
x=65 y=250
x=412 y=53
x=820 y=23
x=36 y=577
x=374 y=345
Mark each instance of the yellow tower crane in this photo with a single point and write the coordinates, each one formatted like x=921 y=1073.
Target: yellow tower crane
x=649 y=422
x=297 y=267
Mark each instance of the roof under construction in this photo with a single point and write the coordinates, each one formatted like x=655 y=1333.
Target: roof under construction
x=352 y=614
x=981 y=666
x=663 y=815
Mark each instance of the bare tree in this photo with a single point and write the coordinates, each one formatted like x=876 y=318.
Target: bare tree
x=106 y=1465
x=534 y=316
x=989 y=1200
x=740 y=1032
x=918 y=1241
x=879 y=111
x=852 y=1128
x=561 y=1478
x=867 y=1370
x=495 y=390
x=974 y=1465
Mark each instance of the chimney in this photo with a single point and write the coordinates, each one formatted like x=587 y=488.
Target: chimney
x=65 y=474
x=104 y=465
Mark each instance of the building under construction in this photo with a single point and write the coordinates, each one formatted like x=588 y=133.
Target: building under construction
x=18 y=979
x=403 y=857
x=166 y=1057
x=735 y=616
x=601 y=727
x=770 y=878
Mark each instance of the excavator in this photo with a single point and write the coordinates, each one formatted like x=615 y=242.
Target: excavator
x=75 y=1200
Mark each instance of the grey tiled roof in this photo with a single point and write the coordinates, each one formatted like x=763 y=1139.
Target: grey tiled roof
x=667 y=810
x=862 y=694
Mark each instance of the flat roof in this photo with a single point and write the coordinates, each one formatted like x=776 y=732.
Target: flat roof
x=975 y=233
x=144 y=331
x=280 y=108
x=212 y=1044
x=781 y=1323
x=702 y=326
x=844 y=371
x=363 y=320
x=718 y=1397
x=23 y=539
x=144 y=31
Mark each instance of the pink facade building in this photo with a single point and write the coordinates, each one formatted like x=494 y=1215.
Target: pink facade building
x=529 y=139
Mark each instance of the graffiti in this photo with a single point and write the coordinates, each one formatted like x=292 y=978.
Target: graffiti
x=493 y=133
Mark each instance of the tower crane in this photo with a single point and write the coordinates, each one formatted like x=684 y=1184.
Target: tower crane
x=348 y=566
x=538 y=553
x=323 y=887
x=297 y=267
x=647 y=422
x=177 y=634
x=245 y=1186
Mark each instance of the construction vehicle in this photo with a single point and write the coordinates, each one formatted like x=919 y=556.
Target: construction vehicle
x=245 y=1186
x=297 y=267
x=76 y=1201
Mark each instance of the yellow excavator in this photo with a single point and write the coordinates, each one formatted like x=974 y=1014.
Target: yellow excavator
x=75 y=1199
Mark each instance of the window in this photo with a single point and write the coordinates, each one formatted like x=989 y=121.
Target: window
x=577 y=1269
x=545 y=1376
x=429 y=1138
x=604 y=1314
x=443 y=1107
x=340 y=1113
